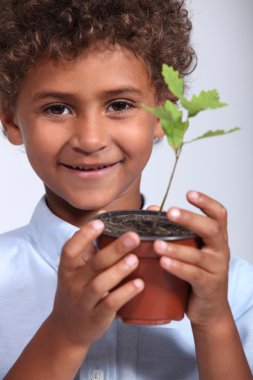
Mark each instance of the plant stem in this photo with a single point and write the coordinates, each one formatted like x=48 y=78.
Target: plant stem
x=177 y=153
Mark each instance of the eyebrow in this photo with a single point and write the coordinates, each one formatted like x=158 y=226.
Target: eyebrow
x=51 y=94
x=129 y=90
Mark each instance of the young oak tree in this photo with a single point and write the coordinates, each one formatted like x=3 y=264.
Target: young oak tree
x=174 y=122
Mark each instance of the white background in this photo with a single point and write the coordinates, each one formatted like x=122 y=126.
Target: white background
x=221 y=166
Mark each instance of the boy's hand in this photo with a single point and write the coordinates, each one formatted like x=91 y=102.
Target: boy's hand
x=86 y=301
x=206 y=269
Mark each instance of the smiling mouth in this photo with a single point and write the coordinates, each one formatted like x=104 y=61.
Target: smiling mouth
x=85 y=168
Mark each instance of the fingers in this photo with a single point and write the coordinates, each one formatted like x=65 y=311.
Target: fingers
x=103 y=283
x=78 y=249
x=188 y=255
x=197 y=267
x=116 y=299
x=110 y=255
x=211 y=228
x=209 y=206
x=87 y=280
x=153 y=208
x=185 y=271
x=80 y=264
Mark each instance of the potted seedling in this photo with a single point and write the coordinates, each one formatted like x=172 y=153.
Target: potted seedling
x=164 y=297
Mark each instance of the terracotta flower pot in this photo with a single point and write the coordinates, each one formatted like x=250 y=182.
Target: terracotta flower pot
x=164 y=297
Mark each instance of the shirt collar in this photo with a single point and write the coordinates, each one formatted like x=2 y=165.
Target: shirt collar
x=49 y=233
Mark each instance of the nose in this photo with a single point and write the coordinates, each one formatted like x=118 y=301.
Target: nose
x=89 y=134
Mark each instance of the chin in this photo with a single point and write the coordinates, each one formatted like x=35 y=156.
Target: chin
x=81 y=205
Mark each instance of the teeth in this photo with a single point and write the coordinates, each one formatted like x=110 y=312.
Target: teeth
x=89 y=168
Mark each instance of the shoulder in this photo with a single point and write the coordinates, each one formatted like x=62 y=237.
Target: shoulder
x=17 y=256
x=14 y=242
x=17 y=235
x=240 y=291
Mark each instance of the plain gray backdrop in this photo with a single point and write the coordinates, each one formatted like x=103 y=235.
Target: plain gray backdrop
x=220 y=167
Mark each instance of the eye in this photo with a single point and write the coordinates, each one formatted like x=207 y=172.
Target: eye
x=57 y=109
x=120 y=106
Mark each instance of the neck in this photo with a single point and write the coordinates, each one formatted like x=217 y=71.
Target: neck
x=78 y=217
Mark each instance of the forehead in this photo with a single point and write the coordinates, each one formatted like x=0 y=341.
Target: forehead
x=100 y=64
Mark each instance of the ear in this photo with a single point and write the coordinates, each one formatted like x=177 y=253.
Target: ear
x=158 y=132
x=11 y=129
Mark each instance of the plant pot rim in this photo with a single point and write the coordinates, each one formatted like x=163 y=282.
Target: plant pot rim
x=188 y=235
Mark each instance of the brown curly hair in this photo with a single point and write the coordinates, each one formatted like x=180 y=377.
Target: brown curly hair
x=156 y=31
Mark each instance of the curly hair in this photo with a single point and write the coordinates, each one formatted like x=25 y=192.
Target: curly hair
x=156 y=31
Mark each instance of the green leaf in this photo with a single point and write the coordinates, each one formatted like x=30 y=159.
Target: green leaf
x=205 y=100
x=172 y=79
x=160 y=112
x=218 y=132
x=172 y=111
x=172 y=123
x=175 y=135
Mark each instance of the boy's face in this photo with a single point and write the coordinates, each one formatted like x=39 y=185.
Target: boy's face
x=85 y=132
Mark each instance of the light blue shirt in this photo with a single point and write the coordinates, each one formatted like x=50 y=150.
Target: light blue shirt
x=29 y=259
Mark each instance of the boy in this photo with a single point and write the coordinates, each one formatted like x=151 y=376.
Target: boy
x=73 y=77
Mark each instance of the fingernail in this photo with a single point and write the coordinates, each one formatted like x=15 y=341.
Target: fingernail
x=97 y=225
x=131 y=260
x=161 y=245
x=174 y=213
x=167 y=262
x=194 y=195
x=129 y=241
x=138 y=283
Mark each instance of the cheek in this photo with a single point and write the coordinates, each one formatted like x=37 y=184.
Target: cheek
x=138 y=149
x=140 y=140
x=42 y=154
x=40 y=142
x=39 y=149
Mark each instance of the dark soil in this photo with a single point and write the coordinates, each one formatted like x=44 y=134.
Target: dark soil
x=119 y=222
